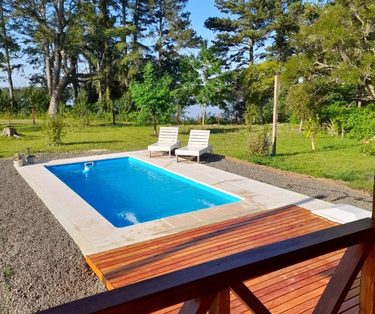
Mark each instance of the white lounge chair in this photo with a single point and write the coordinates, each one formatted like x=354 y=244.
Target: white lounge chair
x=197 y=145
x=167 y=142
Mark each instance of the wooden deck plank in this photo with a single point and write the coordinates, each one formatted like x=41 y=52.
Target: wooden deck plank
x=294 y=289
x=197 y=236
x=184 y=258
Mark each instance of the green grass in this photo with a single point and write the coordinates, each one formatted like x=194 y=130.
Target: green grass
x=8 y=273
x=336 y=158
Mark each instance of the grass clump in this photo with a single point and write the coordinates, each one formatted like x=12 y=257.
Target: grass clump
x=54 y=130
x=8 y=273
x=368 y=147
x=259 y=144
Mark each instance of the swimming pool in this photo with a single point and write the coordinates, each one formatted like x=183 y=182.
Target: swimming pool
x=127 y=191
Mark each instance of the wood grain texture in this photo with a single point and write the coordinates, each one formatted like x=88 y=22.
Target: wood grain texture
x=289 y=276
x=342 y=280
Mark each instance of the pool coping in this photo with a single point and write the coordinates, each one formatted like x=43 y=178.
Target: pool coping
x=93 y=233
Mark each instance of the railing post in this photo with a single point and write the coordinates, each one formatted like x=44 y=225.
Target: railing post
x=367 y=292
x=221 y=304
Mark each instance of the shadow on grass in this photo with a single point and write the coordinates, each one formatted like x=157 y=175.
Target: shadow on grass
x=90 y=142
x=295 y=153
x=339 y=146
x=212 y=129
x=31 y=128
x=109 y=124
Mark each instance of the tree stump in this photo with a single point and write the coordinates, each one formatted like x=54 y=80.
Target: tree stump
x=10 y=131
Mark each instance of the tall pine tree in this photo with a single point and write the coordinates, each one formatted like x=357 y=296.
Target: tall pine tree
x=243 y=30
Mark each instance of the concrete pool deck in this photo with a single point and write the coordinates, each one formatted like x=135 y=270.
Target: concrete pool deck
x=94 y=234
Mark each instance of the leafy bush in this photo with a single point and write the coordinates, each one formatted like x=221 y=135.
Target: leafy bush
x=259 y=144
x=368 y=147
x=357 y=122
x=361 y=123
x=54 y=130
x=252 y=115
x=81 y=108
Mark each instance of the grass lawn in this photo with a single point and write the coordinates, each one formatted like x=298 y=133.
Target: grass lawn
x=336 y=158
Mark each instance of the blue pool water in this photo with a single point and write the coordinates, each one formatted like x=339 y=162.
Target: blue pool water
x=127 y=191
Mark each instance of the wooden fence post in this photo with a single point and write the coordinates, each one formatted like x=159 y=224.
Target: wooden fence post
x=221 y=304
x=275 y=113
x=367 y=290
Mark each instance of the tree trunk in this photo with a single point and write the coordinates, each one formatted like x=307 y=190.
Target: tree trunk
x=178 y=116
x=204 y=110
x=155 y=128
x=124 y=8
x=48 y=70
x=10 y=79
x=301 y=125
x=54 y=102
x=10 y=131
x=251 y=52
x=136 y=24
x=74 y=79
x=113 y=116
x=371 y=90
x=312 y=138
x=33 y=115
x=159 y=43
x=56 y=93
x=100 y=88
x=7 y=56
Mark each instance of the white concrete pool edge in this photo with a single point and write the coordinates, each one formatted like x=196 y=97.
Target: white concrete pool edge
x=93 y=233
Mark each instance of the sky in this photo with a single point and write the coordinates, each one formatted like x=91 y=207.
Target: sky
x=200 y=11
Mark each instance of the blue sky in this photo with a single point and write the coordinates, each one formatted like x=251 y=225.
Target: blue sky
x=200 y=10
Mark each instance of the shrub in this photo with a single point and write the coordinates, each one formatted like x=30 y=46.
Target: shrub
x=259 y=144
x=361 y=123
x=252 y=115
x=368 y=147
x=54 y=130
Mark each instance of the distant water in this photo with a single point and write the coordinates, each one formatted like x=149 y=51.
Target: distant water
x=195 y=111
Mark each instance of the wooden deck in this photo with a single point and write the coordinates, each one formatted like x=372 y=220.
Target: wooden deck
x=294 y=289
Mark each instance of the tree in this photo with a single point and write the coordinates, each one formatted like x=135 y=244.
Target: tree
x=285 y=18
x=171 y=28
x=54 y=29
x=212 y=83
x=152 y=97
x=235 y=102
x=306 y=100
x=133 y=18
x=185 y=84
x=243 y=31
x=8 y=46
x=258 y=80
x=339 y=45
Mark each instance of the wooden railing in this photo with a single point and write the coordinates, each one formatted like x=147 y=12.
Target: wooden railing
x=206 y=287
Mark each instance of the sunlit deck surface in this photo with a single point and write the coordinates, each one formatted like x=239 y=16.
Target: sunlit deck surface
x=294 y=289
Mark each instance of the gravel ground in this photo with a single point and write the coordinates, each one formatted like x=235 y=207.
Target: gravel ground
x=40 y=266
